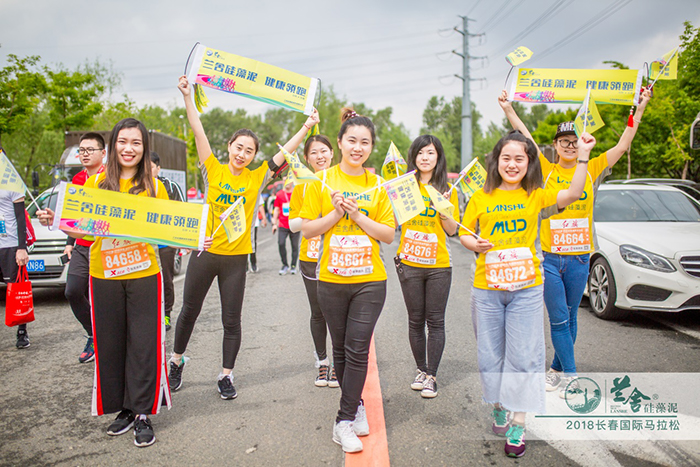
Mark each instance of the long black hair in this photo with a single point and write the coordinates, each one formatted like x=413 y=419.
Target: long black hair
x=533 y=177
x=439 y=178
x=143 y=180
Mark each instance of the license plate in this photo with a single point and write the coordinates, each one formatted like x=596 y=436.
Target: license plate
x=36 y=265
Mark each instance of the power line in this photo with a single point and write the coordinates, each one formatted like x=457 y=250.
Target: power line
x=499 y=11
x=506 y=15
x=590 y=24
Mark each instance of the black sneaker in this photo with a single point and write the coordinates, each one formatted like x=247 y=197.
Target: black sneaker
x=175 y=374
x=226 y=388
x=167 y=323
x=121 y=424
x=143 y=433
x=22 y=339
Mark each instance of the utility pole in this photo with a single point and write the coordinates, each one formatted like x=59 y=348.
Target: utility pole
x=466 y=99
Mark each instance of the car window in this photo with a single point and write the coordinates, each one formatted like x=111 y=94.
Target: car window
x=644 y=206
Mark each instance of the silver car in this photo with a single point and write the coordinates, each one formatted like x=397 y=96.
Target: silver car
x=45 y=267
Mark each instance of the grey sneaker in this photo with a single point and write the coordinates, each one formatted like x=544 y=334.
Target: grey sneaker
x=175 y=374
x=344 y=434
x=284 y=270
x=569 y=388
x=429 y=388
x=552 y=380
x=417 y=384
x=360 y=424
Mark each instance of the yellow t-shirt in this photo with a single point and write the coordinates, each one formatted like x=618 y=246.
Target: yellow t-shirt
x=308 y=249
x=222 y=190
x=572 y=232
x=347 y=254
x=423 y=240
x=509 y=220
x=141 y=255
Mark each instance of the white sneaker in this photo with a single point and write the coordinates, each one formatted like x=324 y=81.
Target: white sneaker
x=284 y=270
x=552 y=380
x=417 y=384
x=360 y=425
x=344 y=435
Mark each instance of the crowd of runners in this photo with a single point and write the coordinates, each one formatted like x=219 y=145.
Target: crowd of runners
x=516 y=225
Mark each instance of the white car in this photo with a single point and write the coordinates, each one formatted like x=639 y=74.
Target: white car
x=45 y=267
x=648 y=256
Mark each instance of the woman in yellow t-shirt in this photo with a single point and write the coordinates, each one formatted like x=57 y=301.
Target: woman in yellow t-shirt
x=351 y=221
x=127 y=304
x=424 y=264
x=226 y=261
x=569 y=238
x=507 y=295
x=319 y=155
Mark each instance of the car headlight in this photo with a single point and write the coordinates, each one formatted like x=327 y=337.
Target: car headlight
x=645 y=259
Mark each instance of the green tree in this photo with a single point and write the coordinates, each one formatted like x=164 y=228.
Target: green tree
x=71 y=98
x=20 y=91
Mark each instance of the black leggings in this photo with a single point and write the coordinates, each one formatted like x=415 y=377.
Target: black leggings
x=425 y=291
x=167 y=266
x=77 y=286
x=317 y=322
x=351 y=311
x=230 y=272
x=282 y=241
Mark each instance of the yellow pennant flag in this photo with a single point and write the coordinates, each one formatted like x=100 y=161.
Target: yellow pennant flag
x=588 y=119
x=405 y=197
x=299 y=171
x=666 y=67
x=394 y=165
x=473 y=177
x=442 y=204
x=9 y=178
x=518 y=56
x=233 y=220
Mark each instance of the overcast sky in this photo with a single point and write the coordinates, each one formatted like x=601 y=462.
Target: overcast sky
x=383 y=53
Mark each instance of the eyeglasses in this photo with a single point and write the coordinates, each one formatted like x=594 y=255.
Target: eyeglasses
x=564 y=143
x=83 y=151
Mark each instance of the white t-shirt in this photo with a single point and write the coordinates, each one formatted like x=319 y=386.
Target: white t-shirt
x=8 y=222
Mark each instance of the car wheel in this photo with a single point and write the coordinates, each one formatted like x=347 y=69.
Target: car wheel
x=602 y=292
x=178 y=263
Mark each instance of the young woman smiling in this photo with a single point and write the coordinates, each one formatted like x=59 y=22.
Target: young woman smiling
x=351 y=276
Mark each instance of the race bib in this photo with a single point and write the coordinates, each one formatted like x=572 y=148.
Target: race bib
x=285 y=209
x=313 y=245
x=3 y=229
x=419 y=247
x=120 y=257
x=510 y=269
x=350 y=255
x=570 y=235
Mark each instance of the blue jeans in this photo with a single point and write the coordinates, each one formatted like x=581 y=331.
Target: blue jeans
x=510 y=346
x=564 y=282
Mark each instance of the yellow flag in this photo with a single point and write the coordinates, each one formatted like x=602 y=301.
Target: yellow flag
x=394 y=165
x=233 y=220
x=9 y=178
x=405 y=197
x=518 y=56
x=299 y=171
x=668 y=63
x=473 y=177
x=588 y=119
x=442 y=204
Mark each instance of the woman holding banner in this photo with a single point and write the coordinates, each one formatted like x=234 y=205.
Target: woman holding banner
x=424 y=264
x=507 y=294
x=318 y=153
x=568 y=238
x=226 y=261
x=351 y=221
x=127 y=304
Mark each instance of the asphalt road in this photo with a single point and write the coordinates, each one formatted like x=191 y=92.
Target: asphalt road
x=281 y=418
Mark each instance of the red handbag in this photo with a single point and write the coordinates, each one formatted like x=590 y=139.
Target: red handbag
x=19 y=304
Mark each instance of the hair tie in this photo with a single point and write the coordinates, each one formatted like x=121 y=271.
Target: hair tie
x=352 y=114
